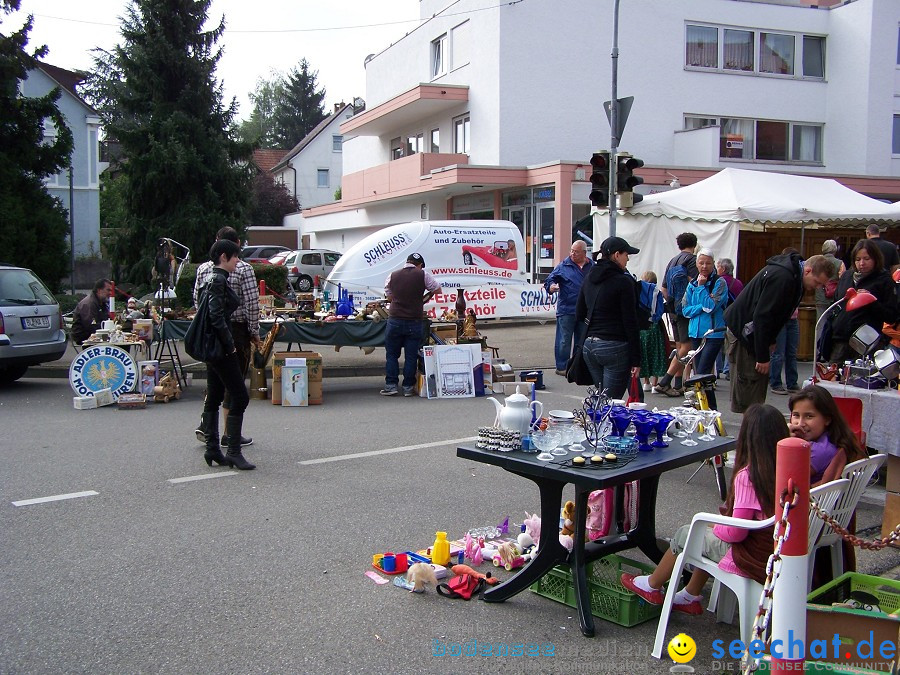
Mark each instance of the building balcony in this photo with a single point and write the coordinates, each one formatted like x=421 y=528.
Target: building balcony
x=396 y=178
x=420 y=102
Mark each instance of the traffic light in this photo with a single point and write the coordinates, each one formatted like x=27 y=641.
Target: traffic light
x=600 y=179
x=626 y=180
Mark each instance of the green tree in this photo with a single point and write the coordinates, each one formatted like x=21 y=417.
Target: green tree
x=300 y=108
x=271 y=201
x=259 y=129
x=33 y=224
x=185 y=173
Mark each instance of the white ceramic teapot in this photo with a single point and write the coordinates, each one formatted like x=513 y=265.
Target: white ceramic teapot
x=516 y=414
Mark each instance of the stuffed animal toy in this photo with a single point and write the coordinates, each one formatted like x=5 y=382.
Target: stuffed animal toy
x=533 y=527
x=526 y=546
x=568 y=517
x=465 y=569
x=419 y=575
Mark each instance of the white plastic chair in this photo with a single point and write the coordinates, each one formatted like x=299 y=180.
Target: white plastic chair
x=746 y=590
x=859 y=473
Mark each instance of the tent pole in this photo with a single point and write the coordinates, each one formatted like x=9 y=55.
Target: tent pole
x=803 y=239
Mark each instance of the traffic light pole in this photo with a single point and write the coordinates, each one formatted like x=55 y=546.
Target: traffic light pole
x=614 y=122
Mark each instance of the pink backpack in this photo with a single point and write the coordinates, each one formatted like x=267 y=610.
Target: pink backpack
x=601 y=510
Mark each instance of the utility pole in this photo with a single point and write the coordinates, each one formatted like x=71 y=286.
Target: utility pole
x=614 y=122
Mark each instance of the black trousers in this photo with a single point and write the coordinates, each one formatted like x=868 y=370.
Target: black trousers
x=225 y=376
x=241 y=336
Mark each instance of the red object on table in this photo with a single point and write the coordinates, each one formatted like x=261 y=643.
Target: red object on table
x=262 y=286
x=852 y=410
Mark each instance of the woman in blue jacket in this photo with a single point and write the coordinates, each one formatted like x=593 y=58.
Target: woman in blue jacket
x=704 y=305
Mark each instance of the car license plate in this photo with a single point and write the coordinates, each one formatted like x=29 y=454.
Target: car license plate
x=36 y=322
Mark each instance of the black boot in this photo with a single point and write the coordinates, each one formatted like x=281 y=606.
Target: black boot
x=233 y=431
x=213 y=451
x=202 y=429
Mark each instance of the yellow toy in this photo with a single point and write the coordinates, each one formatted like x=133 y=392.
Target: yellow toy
x=568 y=514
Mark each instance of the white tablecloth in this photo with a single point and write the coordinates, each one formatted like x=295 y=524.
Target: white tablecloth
x=881 y=414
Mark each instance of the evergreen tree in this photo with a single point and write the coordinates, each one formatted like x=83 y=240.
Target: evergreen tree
x=33 y=224
x=300 y=108
x=185 y=173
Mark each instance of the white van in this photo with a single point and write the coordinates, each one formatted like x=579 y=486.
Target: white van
x=480 y=256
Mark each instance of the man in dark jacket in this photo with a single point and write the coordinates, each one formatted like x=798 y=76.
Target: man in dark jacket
x=407 y=289
x=888 y=248
x=759 y=313
x=91 y=311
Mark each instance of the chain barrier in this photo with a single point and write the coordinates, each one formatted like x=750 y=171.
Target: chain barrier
x=874 y=545
x=773 y=571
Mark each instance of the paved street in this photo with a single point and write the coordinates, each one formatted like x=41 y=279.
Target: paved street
x=263 y=571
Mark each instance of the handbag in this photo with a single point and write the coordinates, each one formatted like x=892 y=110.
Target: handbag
x=200 y=343
x=635 y=392
x=577 y=370
x=830 y=288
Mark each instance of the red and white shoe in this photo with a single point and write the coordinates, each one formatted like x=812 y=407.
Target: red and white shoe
x=654 y=597
x=693 y=608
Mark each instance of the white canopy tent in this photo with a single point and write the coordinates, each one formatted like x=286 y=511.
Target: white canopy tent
x=717 y=207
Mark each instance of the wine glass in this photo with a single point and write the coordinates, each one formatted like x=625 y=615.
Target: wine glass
x=709 y=421
x=643 y=425
x=662 y=423
x=545 y=440
x=566 y=435
x=690 y=422
x=677 y=412
x=621 y=419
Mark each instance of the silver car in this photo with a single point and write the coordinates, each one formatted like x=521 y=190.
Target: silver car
x=31 y=326
x=305 y=265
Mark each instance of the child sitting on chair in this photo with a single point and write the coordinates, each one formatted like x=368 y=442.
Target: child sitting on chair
x=750 y=497
x=816 y=419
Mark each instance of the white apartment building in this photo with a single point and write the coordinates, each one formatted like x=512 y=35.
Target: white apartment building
x=491 y=110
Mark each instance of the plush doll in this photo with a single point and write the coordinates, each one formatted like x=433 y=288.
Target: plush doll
x=568 y=518
x=533 y=527
x=526 y=546
x=419 y=575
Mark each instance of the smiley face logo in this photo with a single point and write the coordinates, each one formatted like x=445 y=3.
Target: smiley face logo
x=682 y=648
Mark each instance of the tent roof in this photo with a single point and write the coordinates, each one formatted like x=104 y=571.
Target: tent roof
x=767 y=197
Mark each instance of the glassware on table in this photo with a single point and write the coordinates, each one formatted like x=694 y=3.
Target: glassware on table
x=545 y=440
x=709 y=423
x=689 y=422
x=676 y=412
x=644 y=424
x=566 y=432
x=662 y=422
x=621 y=420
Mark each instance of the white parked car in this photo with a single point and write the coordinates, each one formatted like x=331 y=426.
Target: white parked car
x=305 y=265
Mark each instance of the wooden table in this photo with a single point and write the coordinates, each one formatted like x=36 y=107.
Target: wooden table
x=551 y=478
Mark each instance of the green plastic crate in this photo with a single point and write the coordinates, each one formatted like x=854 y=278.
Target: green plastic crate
x=886 y=590
x=609 y=599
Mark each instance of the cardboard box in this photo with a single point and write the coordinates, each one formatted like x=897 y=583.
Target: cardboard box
x=84 y=402
x=313 y=370
x=444 y=331
x=104 y=397
x=893 y=474
x=891 y=516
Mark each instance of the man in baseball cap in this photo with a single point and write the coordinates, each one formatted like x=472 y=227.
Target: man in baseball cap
x=407 y=289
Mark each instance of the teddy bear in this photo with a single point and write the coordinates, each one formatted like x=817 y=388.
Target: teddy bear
x=568 y=516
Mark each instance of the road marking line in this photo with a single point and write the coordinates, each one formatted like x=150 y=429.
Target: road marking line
x=55 y=498
x=203 y=476
x=386 y=451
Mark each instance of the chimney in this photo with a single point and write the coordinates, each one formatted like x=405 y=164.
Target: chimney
x=338 y=106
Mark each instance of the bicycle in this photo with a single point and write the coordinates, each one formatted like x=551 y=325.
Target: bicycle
x=696 y=391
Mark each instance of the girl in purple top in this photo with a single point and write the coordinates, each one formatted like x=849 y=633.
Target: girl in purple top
x=751 y=497
x=816 y=419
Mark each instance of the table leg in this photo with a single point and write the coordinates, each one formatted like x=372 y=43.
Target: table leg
x=550 y=551
x=644 y=535
x=577 y=565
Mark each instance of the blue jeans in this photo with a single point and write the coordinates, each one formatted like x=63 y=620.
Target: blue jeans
x=608 y=362
x=401 y=335
x=785 y=355
x=565 y=331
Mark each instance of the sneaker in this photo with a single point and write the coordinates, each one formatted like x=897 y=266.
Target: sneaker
x=793 y=390
x=561 y=373
x=389 y=391
x=653 y=597
x=646 y=387
x=693 y=608
x=409 y=391
x=780 y=390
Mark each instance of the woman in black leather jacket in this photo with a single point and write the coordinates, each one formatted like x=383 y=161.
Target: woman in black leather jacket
x=608 y=302
x=867 y=273
x=224 y=373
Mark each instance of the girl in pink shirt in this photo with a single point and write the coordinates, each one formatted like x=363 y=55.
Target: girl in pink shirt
x=750 y=497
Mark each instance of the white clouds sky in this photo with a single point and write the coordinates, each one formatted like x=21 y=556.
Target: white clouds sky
x=260 y=36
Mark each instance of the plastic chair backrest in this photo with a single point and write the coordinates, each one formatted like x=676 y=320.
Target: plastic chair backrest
x=826 y=496
x=858 y=473
x=852 y=410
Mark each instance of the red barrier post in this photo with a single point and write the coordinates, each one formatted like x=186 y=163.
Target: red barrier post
x=789 y=597
x=262 y=286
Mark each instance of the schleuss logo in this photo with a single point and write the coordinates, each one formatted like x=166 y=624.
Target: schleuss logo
x=102 y=367
x=390 y=245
